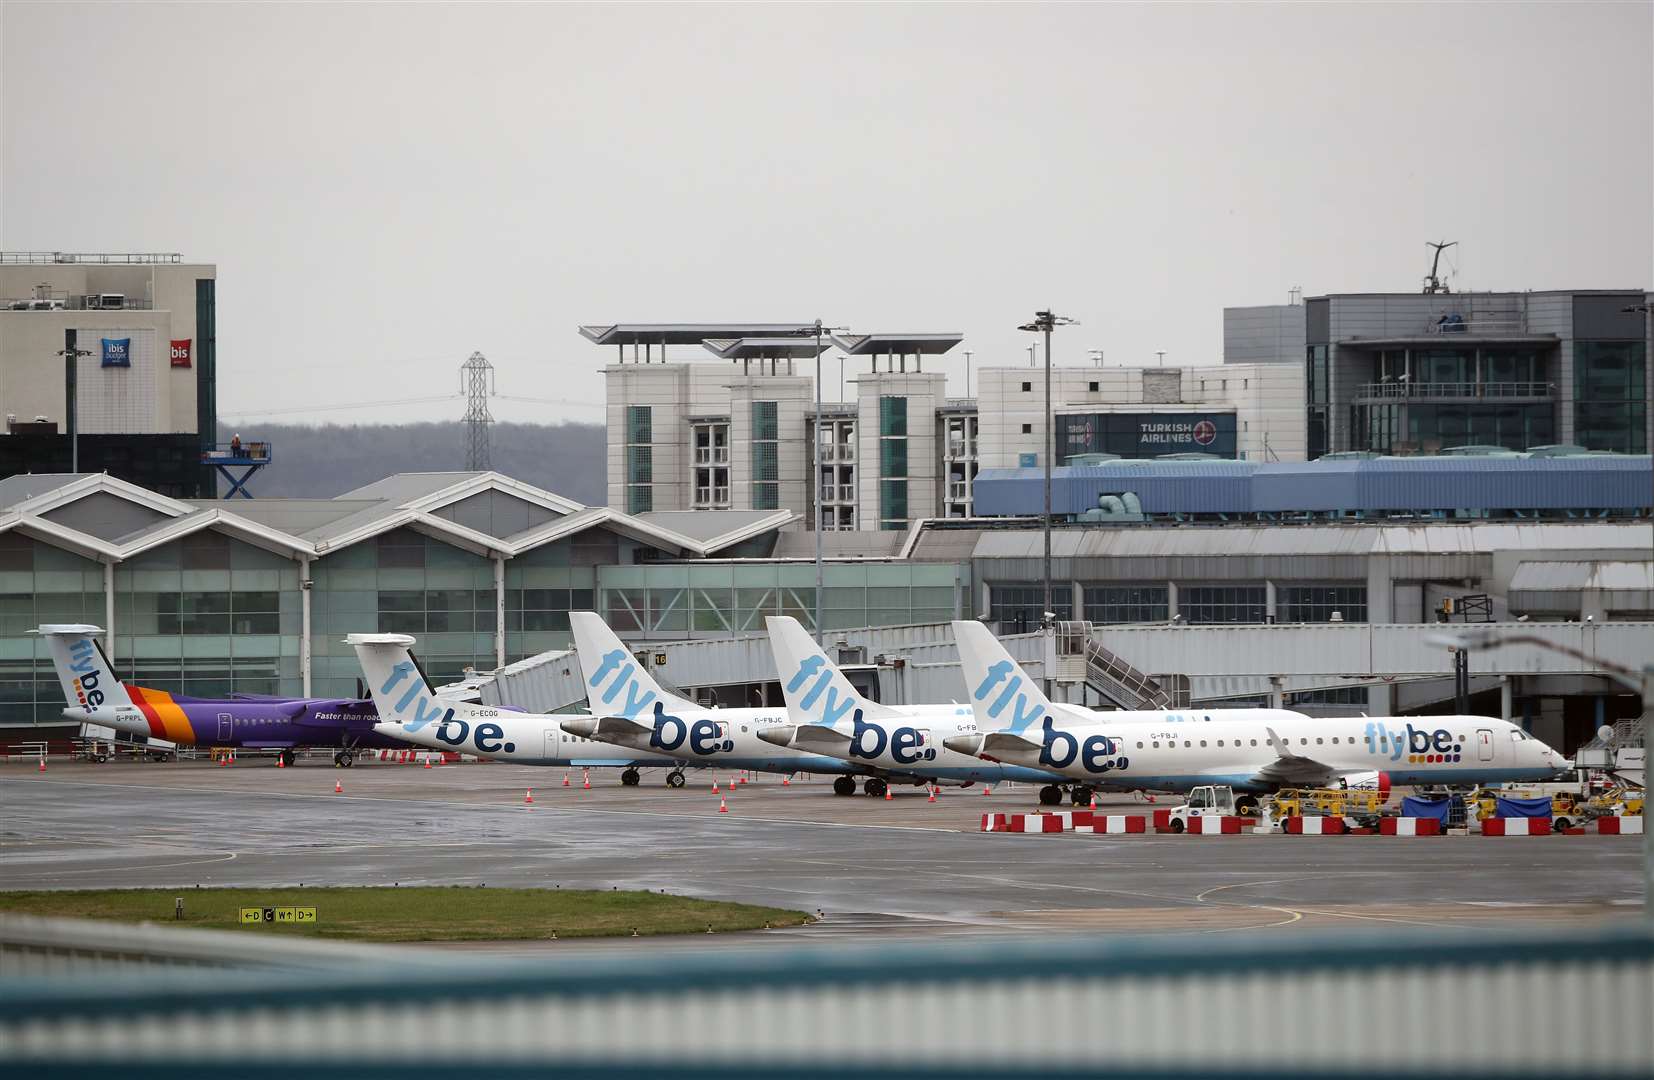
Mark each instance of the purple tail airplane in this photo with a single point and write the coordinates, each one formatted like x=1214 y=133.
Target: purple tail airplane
x=96 y=696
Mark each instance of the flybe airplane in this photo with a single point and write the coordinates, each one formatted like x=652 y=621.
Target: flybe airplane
x=830 y=716
x=1251 y=750
x=630 y=709
x=411 y=711
x=95 y=696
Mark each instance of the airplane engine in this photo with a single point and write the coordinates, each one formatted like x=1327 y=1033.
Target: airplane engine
x=1378 y=780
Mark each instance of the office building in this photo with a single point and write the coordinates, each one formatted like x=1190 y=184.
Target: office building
x=145 y=378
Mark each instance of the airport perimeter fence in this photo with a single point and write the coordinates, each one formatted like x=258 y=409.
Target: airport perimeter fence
x=1394 y=1002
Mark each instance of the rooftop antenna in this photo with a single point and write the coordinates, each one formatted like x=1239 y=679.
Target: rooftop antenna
x=1295 y=295
x=476 y=382
x=1161 y=353
x=1433 y=284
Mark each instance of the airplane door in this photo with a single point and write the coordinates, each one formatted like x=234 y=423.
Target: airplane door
x=552 y=735
x=225 y=728
x=1484 y=744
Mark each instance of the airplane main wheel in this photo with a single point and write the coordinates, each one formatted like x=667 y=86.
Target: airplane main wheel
x=286 y=757
x=674 y=779
x=844 y=785
x=875 y=787
x=630 y=778
x=1080 y=796
x=1050 y=795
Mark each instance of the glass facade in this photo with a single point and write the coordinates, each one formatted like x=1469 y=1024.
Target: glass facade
x=542 y=586
x=691 y=599
x=401 y=582
x=893 y=463
x=1316 y=394
x=1610 y=406
x=39 y=584
x=208 y=616
x=1316 y=603
x=1210 y=604
x=766 y=467
x=1387 y=427
x=1126 y=603
x=640 y=459
x=1019 y=606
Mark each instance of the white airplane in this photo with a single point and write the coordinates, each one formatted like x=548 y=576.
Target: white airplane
x=830 y=716
x=411 y=711
x=1251 y=750
x=629 y=709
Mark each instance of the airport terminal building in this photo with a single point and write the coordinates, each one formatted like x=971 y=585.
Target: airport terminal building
x=209 y=597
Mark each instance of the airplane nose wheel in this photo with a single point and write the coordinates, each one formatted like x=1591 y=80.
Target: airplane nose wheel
x=844 y=785
x=1080 y=796
x=630 y=778
x=874 y=787
x=1050 y=795
x=674 y=779
x=344 y=759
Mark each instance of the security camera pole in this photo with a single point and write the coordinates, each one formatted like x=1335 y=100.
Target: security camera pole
x=1044 y=322
x=1640 y=681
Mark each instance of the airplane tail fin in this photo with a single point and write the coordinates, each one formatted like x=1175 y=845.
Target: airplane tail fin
x=616 y=684
x=401 y=693
x=1002 y=695
x=87 y=676
x=816 y=691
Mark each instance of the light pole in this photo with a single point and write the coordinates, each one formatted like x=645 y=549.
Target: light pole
x=71 y=394
x=967 y=373
x=1044 y=322
x=1640 y=681
x=815 y=459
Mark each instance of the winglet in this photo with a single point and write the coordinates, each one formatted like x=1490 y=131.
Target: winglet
x=615 y=683
x=1002 y=695
x=816 y=691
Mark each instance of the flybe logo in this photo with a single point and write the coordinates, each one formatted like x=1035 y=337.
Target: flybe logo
x=1011 y=697
x=906 y=744
x=833 y=704
x=487 y=738
x=83 y=662
x=625 y=687
x=1097 y=754
x=1421 y=747
x=672 y=732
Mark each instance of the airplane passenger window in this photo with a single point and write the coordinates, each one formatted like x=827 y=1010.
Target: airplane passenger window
x=1254 y=742
x=1139 y=746
x=1157 y=744
x=1318 y=740
x=1220 y=742
x=1187 y=744
x=1203 y=742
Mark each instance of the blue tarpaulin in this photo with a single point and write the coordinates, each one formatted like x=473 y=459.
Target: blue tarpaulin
x=1412 y=806
x=1514 y=807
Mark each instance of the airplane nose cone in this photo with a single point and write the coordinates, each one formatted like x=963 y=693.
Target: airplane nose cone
x=583 y=728
x=964 y=744
x=778 y=736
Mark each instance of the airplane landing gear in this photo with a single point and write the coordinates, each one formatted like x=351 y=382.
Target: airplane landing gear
x=344 y=759
x=630 y=778
x=844 y=785
x=1080 y=795
x=1246 y=805
x=286 y=757
x=875 y=787
x=1050 y=795
x=674 y=779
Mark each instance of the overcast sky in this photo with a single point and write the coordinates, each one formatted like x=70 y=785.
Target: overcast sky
x=386 y=188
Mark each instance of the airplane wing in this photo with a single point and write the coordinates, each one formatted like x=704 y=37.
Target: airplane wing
x=615 y=726
x=826 y=740
x=1291 y=769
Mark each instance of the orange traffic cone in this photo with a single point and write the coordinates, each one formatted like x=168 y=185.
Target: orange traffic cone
x=565 y=779
x=587 y=782
x=281 y=762
x=427 y=763
x=42 y=762
x=723 y=807
x=887 y=793
x=984 y=789
x=528 y=797
x=1093 y=800
x=338 y=787
x=932 y=795
x=785 y=781
x=714 y=785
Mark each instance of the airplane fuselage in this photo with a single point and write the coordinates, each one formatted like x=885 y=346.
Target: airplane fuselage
x=232 y=723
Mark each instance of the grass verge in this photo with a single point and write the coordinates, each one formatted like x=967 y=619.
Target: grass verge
x=452 y=913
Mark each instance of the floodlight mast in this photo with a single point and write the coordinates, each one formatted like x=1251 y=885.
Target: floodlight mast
x=1044 y=322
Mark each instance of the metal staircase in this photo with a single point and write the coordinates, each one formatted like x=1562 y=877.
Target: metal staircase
x=1111 y=676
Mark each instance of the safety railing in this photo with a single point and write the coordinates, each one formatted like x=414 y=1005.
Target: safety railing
x=101 y=258
x=712 y=455
x=231 y=453
x=1402 y=1003
x=1409 y=390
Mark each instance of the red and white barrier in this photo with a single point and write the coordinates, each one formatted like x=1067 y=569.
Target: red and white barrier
x=1116 y=823
x=1409 y=826
x=1214 y=825
x=1316 y=826
x=1516 y=826
x=1029 y=823
x=1620 y=826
